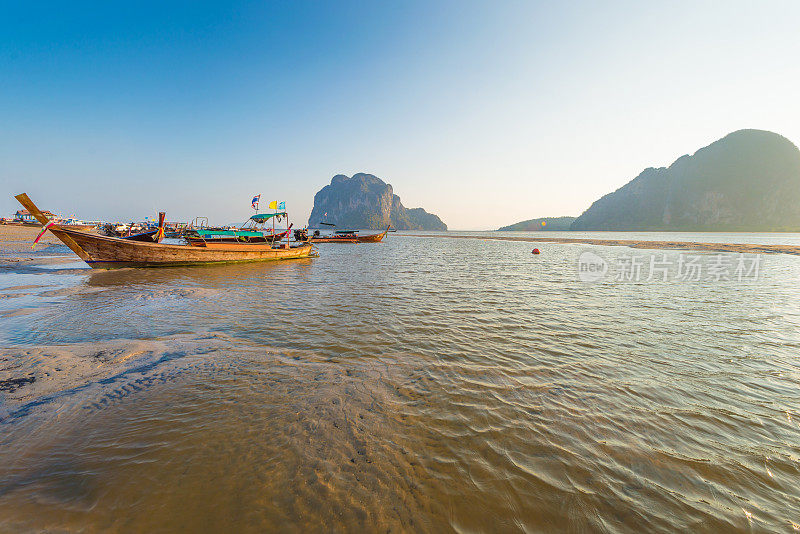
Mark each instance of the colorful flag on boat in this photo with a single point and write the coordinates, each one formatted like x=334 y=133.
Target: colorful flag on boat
x=44 y=229
x=273 y=205
x=282 y=206
x=254 y=202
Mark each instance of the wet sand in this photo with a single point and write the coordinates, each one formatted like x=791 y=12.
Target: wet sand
x=16 y=241
x=32 y=376
x=24 y=234
x=740 y=248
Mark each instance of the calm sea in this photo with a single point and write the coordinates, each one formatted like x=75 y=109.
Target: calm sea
x=421 y=384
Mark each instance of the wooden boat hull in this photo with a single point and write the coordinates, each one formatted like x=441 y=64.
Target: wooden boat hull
x=80 y=227
x=102 y=252
x=377 y=238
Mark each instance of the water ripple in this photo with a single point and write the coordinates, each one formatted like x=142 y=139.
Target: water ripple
x=418 y=385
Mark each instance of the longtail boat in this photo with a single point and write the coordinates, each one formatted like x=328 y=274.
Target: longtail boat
x=148 y=236
x=253 y=231
x=198 y=237
x=340 y=236
x=374 y=238
x=103 y=252
x=347 y=236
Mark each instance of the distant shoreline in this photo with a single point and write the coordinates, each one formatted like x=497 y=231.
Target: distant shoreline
x=742 y=248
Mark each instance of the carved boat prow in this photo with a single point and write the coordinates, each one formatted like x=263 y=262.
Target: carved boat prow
x=28 y=204
x=375 y=238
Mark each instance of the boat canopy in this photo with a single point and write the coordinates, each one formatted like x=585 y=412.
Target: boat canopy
x=262 y=217
x=227 y=233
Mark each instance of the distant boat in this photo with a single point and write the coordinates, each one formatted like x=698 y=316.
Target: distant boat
x=75 y=224
x=340 y=236
x=105 y=252
x=347 y=236
x=25 y=218
x=373 y=238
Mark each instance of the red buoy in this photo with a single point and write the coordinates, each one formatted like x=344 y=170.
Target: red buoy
x=535 y=251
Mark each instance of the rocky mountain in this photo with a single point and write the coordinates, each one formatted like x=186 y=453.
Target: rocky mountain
x=747 y=181
x=557 y=224
x=364 y=201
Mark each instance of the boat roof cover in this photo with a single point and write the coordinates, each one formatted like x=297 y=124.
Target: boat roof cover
x=261 y=217
x=237 y=233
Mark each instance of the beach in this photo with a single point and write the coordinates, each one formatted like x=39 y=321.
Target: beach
x=16 y=241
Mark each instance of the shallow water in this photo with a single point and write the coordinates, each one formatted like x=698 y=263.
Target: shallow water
x=417 y=385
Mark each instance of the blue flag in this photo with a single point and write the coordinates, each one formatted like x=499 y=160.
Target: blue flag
x=282 y=206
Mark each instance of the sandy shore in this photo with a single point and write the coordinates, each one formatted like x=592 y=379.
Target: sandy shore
x=678 y=245
x=16 y=241
x=34 y=375
x=24 y=235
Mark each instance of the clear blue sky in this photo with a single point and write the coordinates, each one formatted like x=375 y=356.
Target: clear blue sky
x=485 y=113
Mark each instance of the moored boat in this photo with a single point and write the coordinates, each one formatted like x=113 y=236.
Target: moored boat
x=254 y=231
x=76 y=224
x=340 y=236
x=149 y=236
x=198 y=237
x=106 y=252
x=347 y=236
x=374 y=238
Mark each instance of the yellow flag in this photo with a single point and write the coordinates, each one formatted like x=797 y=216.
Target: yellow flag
x=273 y=205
